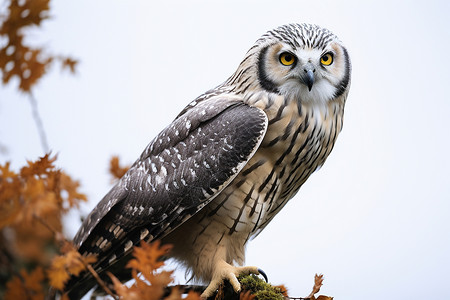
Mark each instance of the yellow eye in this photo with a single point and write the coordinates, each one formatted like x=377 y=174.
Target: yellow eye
x=287 y=59
x=327 y=59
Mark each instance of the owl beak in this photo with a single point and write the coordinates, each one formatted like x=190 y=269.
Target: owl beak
x=308 y=76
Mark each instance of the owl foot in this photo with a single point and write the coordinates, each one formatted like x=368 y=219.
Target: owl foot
x=225 y=271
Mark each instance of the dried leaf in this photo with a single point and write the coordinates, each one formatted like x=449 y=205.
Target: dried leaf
x=41 y=191
x=9 y=198
x=43 y=166
x=147 y=258
x=58 y=278
x=120 y=288
x=246 y=296
x=33 y=280
x=74 y=263
x=68 y=63
x=139 y=290
x=6 y=174
x=153 y=283
x=15 y=290
x=71 y=186
x=318 y=279
x=115 y=169
x=27 y=286
x=322 y=297
x=63 y=266
x=57 y=273
x=29 y=64
x=161 y=280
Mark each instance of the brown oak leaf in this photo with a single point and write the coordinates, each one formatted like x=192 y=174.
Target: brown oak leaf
x=26 y=286
x=115 y=169
x=147 y=258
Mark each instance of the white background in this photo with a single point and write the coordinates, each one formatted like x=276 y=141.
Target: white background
x=374 y=219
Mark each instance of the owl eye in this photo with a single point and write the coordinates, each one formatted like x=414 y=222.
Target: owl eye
x=327 y=59
x=287 y=58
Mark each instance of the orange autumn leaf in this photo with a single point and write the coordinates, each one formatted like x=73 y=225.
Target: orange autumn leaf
x=71 y=186
x=57 y=273
x=63 y=266
x=15 y=289
x=28 y=193
x=141 y=289
x=318 y=282
x=26 y=286
x=121 y=289
x=160 y=280
x=6 y=173
x=25 y=13
x=68 y=63
x=43 y=190
x=115 y=169
x=41 y=167
x=17 y=59
x=322 y=297
x=147 y=263
x=74 y=263
x=33 y=241
x=58 y=278
x=39 y=191
x=147 y=257
x=9 y=198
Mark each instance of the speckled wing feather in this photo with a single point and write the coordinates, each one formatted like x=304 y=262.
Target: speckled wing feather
x=179 y=172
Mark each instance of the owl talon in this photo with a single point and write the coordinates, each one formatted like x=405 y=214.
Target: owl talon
x=263 y=274
x=228 y=272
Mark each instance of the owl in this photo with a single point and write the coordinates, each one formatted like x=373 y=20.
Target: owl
x=228 y=163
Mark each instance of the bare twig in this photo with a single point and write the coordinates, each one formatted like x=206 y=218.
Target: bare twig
x=58 y=235
x=39 y=124
x=100 y=281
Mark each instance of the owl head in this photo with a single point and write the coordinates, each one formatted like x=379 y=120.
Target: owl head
x=300 y=60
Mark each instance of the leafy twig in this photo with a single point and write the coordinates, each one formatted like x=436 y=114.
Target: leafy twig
x=59 y=237
x=100 y=281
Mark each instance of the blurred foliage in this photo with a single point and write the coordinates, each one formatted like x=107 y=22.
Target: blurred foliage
x=39 y=191
x=32 y=203
x=115 y=169
x=17 y=59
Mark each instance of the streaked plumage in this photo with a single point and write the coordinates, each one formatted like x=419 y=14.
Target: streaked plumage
x=229 y=162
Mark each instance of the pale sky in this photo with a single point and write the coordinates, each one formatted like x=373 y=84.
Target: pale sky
x=374 y=220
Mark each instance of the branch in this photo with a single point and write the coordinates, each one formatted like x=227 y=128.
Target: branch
x=38 y=122
x=100 y=281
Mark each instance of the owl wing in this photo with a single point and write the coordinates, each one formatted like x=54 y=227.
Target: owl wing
x=188 y=164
